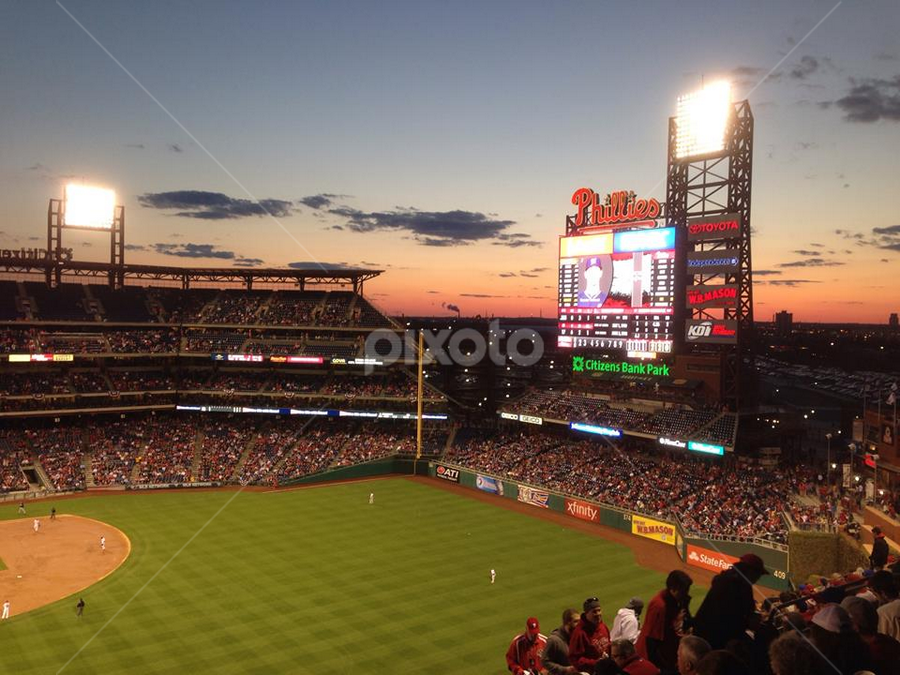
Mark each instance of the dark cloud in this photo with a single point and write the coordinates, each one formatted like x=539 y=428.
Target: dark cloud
x=314 y=265
x=452 y=307
x=190 y=250
x=813 y=262
x=213 y=205
x=506 y=275
x=870 y=100
x=886 y=56
x=320 y=201
x=432 y=292
x=37 y=166
x=248 y=262
x=805 y=67
x=802 y=251
x=174 y=147
x=515 y=240
x=34 y=239
x=791 y=282
x=136 y=247
x=765 y=273
x=135 y=146
x=890 y=230
x=480 y=295
x=807 y=145
x=435 y=228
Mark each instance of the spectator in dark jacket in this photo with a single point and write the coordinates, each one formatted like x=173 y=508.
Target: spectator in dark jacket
x=879 y=556
x=884 y=650
x=555 y=658
x=667 y=614
x=729 y=609
x=590 y=639
x=624 y=656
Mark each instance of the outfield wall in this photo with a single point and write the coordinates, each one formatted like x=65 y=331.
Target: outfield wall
x=714 y=555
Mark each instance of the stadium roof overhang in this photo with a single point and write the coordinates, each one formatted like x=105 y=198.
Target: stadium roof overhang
x=246 y=276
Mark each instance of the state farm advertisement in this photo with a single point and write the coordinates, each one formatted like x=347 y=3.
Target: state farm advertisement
x=583 y=510
x=709 y=560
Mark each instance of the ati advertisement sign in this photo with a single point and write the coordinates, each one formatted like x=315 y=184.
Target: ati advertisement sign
x=534 y=497
x=710 y=331
x=581 y=364
x=714 y=228
x=653 y=529
x=712 y=296
x=712 y=262
x=709 y=560
x=447 y=473
x=583 y=510
x=489 y=484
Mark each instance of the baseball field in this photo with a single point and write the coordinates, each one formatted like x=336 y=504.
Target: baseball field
x=317 y=580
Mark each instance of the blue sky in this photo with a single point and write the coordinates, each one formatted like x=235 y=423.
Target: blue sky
x=448 y=137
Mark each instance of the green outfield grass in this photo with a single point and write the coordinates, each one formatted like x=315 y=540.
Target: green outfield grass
x=318 y=581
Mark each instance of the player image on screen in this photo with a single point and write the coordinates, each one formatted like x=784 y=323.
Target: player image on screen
x=595 y=280
x=616 y=290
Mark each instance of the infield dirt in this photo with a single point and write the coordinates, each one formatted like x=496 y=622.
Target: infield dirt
x=63 y=558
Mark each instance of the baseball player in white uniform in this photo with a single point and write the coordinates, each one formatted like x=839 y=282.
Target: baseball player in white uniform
x=371 y=497
x=102 y=543
x=493 y=575
x=36 y=525
x=5 y=609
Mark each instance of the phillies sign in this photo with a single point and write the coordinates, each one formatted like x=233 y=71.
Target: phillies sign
x=621 y=207
x=712 y=296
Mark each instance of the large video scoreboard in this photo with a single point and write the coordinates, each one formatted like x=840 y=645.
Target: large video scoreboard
x=617 y=289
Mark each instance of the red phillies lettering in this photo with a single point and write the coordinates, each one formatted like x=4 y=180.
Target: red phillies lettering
x=620 y=208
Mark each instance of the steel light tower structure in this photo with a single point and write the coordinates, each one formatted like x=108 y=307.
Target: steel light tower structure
x=709 y=176
x=87 y=208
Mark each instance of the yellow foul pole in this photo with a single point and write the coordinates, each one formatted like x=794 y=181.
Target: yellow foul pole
x=421 y=385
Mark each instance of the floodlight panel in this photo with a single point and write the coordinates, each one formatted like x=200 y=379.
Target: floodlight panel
x=89 y=207
x=701 y=120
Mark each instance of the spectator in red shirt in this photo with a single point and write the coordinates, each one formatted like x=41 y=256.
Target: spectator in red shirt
x=664 y=625
x=590 y=639
x=622 y=652
x=524 y=654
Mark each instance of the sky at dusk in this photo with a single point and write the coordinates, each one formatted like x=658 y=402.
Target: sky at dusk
x=442 y=141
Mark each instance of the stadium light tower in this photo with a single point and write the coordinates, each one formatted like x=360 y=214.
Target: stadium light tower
x=89 y=207
x=708 y=184
x=86 y=207
x=701 y=120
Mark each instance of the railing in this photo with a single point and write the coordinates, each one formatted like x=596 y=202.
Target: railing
x=34 y=494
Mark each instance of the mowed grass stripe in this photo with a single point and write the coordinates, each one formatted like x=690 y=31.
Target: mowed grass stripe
x=320 y=581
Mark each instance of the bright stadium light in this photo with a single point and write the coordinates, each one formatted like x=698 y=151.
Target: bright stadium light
x=701 y=120
x=89 y=207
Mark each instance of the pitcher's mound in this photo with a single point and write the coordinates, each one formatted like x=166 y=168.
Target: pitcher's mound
x=62 y=558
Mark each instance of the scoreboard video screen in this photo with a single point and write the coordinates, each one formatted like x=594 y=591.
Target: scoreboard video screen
x=617 y=290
